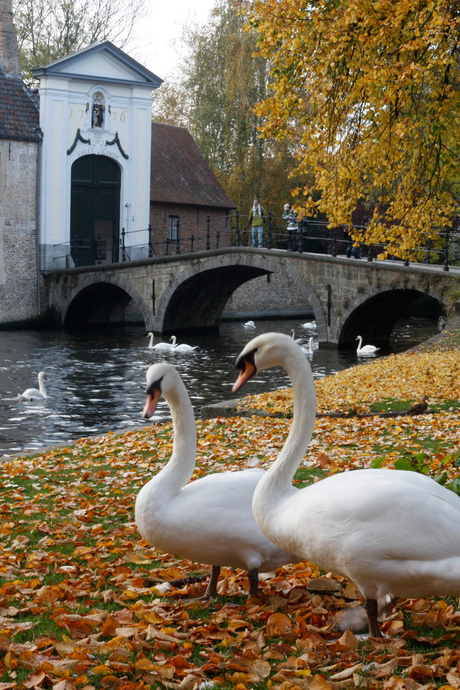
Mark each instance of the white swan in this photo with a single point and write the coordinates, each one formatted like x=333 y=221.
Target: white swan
x=183 y=347
x=367 y=349
x=32 y=394
x=209 y=520
x=309 y=325
x=305 y=345
x=250 y=325
x=394 y=533
x=158 y=346
x=299 y=341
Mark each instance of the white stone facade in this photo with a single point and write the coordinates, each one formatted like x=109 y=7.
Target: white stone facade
x=94 y=103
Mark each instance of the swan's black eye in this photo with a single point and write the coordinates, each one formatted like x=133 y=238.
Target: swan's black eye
x=249 y=358
x=154 y=386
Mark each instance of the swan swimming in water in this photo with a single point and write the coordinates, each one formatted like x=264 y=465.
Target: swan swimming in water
x=305 y=345
x=250 y=325
x=394 y=533
x=299 y=341
x=158 y=346
x=209 y=520
x=310 y=325
x=183 y=347
x=367 y=349
x=32 y=394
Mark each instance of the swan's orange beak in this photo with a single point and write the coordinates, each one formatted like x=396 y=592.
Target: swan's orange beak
x=150 y=404
x=247 y=369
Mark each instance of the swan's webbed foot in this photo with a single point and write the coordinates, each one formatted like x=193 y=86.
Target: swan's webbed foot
x=211 y=589
x=253 y=577
x=372 y=616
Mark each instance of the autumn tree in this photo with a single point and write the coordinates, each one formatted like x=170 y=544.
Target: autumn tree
x=170 y=104
x=50 y=29
x=368 y=92
x=214 y=95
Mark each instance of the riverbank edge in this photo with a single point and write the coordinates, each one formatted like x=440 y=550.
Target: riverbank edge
x=448 y=337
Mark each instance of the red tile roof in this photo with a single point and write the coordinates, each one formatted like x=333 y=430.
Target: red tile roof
x=179 y=172
x=19 y=118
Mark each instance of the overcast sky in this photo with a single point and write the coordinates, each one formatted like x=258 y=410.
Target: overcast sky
x=156 y=34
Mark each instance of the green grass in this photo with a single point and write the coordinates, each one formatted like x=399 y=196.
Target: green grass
x=390 y=405
x=44 y=627
x=394 y=405
x=306 y=476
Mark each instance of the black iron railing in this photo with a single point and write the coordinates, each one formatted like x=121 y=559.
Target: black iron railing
x=310 y=236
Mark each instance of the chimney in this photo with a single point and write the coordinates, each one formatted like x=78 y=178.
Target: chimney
x=9 y=51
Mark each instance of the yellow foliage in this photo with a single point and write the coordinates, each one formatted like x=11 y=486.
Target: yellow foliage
x=367 y=92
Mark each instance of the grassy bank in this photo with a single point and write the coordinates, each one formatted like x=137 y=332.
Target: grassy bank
x=75 y=611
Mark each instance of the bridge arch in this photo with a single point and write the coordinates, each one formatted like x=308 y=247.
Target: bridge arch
x=196 y=297
x=104 y=300
x=373 y=314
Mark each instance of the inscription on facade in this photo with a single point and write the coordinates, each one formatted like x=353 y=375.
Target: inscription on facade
x=98 y=151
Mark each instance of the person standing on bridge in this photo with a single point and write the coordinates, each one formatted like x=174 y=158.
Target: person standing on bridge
x=292 y=226
x=256 y=221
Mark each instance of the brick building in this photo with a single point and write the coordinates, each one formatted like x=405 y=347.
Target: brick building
x=184 y=194
x=19 y=144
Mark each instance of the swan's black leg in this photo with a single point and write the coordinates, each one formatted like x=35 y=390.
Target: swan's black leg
x=253 y=577
x=211 y=589
x=372 y=614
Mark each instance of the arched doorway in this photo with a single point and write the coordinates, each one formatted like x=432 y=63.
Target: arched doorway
x=95 y=210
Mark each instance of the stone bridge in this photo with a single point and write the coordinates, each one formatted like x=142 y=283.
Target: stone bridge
x=188 y=292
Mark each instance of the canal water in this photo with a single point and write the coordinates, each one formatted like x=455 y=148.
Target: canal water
x=96 y=379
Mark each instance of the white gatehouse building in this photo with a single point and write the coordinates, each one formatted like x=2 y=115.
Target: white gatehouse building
x=95 y=115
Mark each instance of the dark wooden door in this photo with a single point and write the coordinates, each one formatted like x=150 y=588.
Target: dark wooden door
x=95 y=210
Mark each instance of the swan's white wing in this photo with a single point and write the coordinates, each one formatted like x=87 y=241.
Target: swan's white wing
x=368 y=350
x=31 y=394
x=389 y=531
x=211 y=521
x=185 y=348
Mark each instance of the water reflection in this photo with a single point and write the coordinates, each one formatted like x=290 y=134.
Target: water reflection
x=95 y=380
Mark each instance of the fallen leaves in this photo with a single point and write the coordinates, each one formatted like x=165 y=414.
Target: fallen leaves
x=75 y=610
x=406 y=376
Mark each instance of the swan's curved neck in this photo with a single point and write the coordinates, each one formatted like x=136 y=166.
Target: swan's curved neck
x=173 y=341
x=278 y=479
x=41 y=386
x=179 y=469
x=151 y=340
x=360 y=342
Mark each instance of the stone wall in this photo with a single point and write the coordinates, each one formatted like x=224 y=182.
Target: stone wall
x=271 y=296
x=18 y=263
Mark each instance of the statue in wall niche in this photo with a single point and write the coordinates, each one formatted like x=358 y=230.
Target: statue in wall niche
x=98 y=115
x=97 y=119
